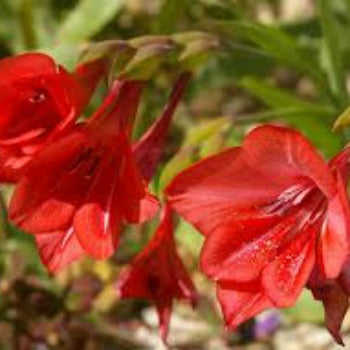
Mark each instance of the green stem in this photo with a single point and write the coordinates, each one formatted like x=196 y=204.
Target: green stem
x=26 y=21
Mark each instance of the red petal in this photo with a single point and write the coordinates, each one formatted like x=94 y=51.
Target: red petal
x=9 y=171
x=336 y=304
x=25 y=65
x=164 y=313
x=239 y=250
x=46 y=187
x=202 y=197
x=333 y=243
x=97 y=222
x=87 y=76
x=284 y=278
x=272 y=160
x=149 y=149
x=138 y=204
x=97 y=230
x=272 y=149
x=335 y=301
x=239 y=306
x=117 y=113
x=158 y=273
x=58 y=249
x=344 y=277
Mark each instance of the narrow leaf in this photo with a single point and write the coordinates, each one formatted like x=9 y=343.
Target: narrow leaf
x=87 y=19
x=332 y=54
x=276 y=43
x=280 y=98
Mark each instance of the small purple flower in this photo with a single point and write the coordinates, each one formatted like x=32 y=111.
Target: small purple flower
x=266 y=324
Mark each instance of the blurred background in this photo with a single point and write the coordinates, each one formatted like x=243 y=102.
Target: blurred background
x=281 y=61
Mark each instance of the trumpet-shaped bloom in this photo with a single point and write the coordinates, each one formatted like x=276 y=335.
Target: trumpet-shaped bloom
x=93 y=180
x=158 y=274
x=270 y=211
x=38 y=97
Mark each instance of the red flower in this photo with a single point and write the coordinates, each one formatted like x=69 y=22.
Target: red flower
x=92 y=181
x=270 y=211
x=158 y=274
x=37 y=97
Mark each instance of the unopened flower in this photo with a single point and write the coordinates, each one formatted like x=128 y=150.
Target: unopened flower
x=158 y=274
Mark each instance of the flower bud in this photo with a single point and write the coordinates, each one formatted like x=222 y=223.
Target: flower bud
x=106 y=49
x=150 y=40
x=197 y=52
x=343 y=120
x=148 y=59
x=188 y=37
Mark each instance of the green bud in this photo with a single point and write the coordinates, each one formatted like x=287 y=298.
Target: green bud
x=197 y=52
x=148 y=59
x=150 y=40
x=343 y=120
x=110 y=49
x=187 y=37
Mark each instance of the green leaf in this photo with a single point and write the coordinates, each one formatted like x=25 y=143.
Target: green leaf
x=66 y=55
x=276 y=43
x=332 y=54
x=169 y=15
x=181 y=160
x=214 y=143
x=306 y=310
x=201 y=132
x=87 y=19
x=189 y=237
x=279 y=98
x=313 y=119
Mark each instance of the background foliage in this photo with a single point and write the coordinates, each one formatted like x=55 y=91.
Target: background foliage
x=281 y=61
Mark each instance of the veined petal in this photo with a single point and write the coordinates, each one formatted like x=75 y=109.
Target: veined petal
x=284 y=278
x=239 y=250
x=58 y=249
x=239 y=306
x=97 y=221
x=200 y=196
x=271 y=161
x=97 y=229
x=271 y=149
x=45 y=187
